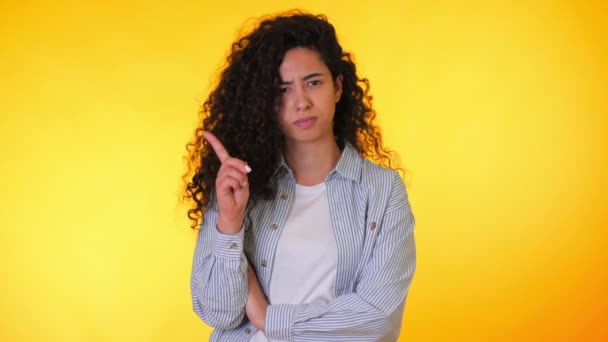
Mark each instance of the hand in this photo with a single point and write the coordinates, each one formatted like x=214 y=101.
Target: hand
x=231 y=186
x=256 y=305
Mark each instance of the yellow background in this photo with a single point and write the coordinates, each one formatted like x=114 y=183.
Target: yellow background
x=497 y=108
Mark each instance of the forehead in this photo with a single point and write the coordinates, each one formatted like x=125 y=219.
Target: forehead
x=301 y=61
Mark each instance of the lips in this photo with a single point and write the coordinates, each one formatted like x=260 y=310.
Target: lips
x=305 y=122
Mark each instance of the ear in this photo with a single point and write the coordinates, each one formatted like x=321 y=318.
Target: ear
x=338 y=87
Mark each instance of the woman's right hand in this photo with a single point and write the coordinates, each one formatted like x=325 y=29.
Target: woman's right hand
x=231 y=186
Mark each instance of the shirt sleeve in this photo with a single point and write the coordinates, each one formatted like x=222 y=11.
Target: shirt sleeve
x=219 y=275
x=365 y=314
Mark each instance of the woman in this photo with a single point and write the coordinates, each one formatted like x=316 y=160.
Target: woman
x=302 y=237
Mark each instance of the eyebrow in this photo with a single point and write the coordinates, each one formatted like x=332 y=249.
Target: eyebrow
x=307 y=77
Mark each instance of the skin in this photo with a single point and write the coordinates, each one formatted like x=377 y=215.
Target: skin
x=232 y=188
x=308 y=92
x=306 y=110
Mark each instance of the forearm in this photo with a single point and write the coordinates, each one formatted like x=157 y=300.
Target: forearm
x=367 y=314
x=218 y=282
x=347 y=318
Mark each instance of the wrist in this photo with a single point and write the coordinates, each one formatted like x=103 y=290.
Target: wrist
x=229 y=226
x=261 y=318
x=278 y=322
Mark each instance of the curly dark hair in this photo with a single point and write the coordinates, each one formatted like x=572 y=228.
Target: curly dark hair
x=241 y=110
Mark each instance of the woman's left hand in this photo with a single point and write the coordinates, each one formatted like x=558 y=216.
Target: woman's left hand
x=256 y=305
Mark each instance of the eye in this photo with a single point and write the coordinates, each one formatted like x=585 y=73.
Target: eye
x=314 y=83
x=283 y=90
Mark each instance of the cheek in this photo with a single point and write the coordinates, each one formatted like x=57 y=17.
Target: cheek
x=280 y=104
x=278 y=109
x=282 y=118
x=330 y=104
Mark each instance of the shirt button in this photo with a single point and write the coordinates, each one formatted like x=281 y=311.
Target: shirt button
x=372 y=225
x=274 y=226
x=264 y=263
x=284 y=196
x=247 y=331
x=233 y=245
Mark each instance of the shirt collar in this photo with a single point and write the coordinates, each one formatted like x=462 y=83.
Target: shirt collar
x=349 y=164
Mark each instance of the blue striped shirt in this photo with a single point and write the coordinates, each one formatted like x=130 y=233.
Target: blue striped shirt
x=373 y=225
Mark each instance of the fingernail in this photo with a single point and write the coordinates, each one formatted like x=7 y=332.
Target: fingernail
x=247 y=168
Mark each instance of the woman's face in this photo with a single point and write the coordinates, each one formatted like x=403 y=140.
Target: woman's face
x=308 y=97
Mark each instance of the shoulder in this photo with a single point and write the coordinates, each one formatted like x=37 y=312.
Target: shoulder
x=378 y=176
x=384 y=183
x=382 y=186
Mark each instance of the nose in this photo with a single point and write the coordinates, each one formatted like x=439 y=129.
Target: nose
x=303 y=102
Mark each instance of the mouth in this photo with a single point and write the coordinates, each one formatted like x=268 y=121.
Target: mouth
x=305 y=122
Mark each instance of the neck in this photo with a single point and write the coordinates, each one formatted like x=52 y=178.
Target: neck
x=312 y=162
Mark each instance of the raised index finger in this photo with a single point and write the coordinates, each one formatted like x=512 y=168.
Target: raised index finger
x=217 y=146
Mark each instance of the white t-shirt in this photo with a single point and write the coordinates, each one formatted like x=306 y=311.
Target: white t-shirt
x=306 y=258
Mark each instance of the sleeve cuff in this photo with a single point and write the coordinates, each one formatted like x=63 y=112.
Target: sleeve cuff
x=278 y=322
x=228 y=245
